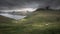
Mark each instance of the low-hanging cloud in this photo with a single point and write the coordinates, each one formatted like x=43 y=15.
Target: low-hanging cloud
x=17 y=4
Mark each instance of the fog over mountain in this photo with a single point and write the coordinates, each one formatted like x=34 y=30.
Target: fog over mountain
x=18 y=4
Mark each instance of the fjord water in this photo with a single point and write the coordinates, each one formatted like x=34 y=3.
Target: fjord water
x=16 y=17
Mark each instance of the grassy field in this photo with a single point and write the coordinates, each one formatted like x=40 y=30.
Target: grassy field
x=38 y=22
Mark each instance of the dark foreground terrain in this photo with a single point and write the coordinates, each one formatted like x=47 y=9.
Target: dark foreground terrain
x=38 y=22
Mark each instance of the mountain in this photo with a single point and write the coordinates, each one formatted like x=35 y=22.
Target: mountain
x=42 y=22
x=37 y=22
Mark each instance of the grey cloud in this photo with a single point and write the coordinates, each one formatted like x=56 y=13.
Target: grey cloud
x=14 y=4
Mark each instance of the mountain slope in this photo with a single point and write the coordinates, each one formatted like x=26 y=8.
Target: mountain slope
x=38 y=22
x=42 y=22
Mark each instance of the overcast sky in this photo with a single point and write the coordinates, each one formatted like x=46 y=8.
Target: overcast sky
x=17 y=4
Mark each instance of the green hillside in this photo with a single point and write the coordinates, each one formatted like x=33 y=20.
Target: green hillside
x=38 y=22
x=6 y=25
x=42 y=22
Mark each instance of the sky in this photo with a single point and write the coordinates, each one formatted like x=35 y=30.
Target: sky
x=18 y=4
